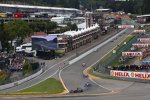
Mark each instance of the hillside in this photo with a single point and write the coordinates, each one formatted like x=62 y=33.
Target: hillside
x=130 y=6
x=58 y=3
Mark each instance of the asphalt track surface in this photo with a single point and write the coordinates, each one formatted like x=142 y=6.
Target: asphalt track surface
x=134 y=91
x=102 y=89
x=73 y=75
x=51 y=68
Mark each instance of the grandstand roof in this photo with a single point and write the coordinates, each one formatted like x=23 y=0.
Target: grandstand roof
x=37 y=7
x=103 y=9
x=147 y=15
x=74 y=33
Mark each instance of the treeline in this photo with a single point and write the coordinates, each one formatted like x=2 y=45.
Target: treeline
x=130 y=6
x=146 y=7
x=19 y=30
x=58 y=3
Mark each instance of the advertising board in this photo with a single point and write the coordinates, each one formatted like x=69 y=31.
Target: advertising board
x=139 y=31
x=130 y=74
x=145 y=40
x=126 y=26
x=141 y=45
x=132 y=54
x=44 y=43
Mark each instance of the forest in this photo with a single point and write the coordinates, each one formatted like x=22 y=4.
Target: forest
x=130 y=6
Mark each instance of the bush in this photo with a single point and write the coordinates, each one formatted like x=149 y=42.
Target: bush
x=60 y=53
x=3 y=75
x=27 y=68
x=147 y=29
x=35 y=66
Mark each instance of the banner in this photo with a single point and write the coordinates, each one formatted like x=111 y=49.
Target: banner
x=139 y=31
x=44 y=43
x=140 y=45
x=132 y=54
x=126 y=26
x=144 y=40
x=130 y=74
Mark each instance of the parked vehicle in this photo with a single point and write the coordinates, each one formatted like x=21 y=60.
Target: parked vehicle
x=26 y=49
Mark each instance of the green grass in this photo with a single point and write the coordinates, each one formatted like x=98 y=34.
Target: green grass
x=116 y=62
x=49 y=86
x=128 y=38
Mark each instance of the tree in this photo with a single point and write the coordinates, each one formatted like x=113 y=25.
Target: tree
x=67 y=28
x=64 y=29
x=33 y=26
x=62 y=3
x=146 y=7
x=133 y=6
x=17 y=29
x=51 y=26
x=1 y=30
x=27 y=68
x=72 y=26
x=42 y=26
x=4 y=38
x=74 y=3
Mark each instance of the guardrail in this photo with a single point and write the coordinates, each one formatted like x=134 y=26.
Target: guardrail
x=120 y=78
x=103 y=64
x=20 y=81
x=96 y=48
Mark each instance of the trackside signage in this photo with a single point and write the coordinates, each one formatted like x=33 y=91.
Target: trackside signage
x=130 y=74
x=139 y=31
x=141 y=45
x=132 y=54
x=144 y=40
x=126 y=26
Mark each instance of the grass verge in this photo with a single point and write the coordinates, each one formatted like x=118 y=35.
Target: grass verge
x=128 y=38
x=109 y=54
x=49 y=86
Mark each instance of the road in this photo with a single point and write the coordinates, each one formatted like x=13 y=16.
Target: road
x=73 y=75
x=102 y=89
x=128 y=91
x=52 y=66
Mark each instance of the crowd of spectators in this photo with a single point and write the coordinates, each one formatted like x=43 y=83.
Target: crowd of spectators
x=134 y=67
x=11 y=62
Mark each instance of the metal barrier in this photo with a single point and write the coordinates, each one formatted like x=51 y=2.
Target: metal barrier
x=20 y=81
x=103 y=65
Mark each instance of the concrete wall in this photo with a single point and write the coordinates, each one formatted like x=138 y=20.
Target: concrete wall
x=121 y=78
x=20 y=81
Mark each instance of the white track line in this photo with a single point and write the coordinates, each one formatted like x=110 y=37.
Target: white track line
x=100 y=85
x=39 y=81
x=85 y=54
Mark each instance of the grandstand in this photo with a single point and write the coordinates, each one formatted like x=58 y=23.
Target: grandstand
x=32 y=9
x=104 y=10
x=144 y=19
